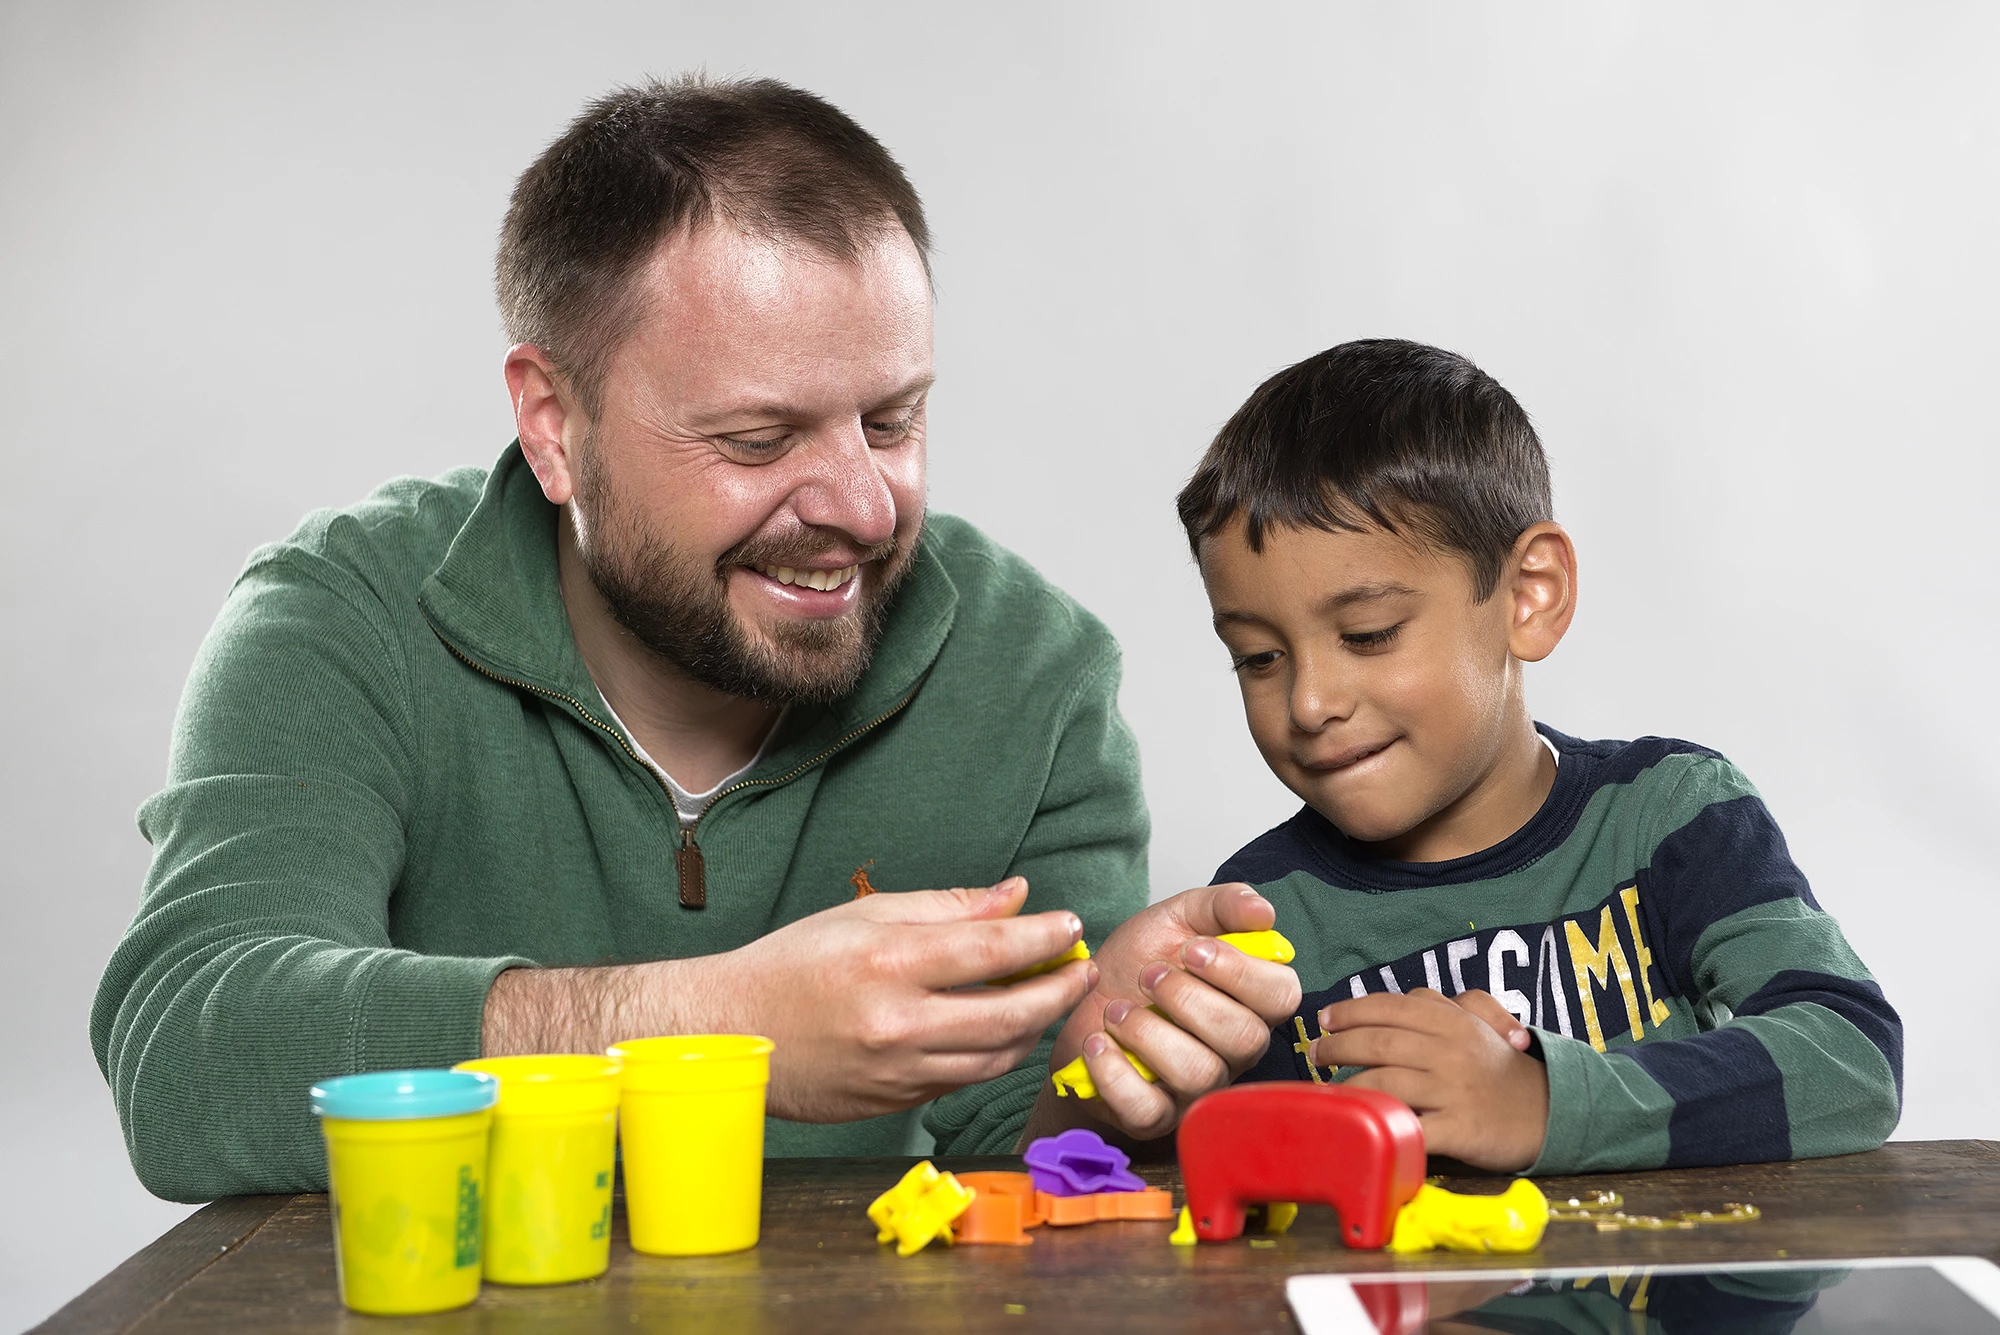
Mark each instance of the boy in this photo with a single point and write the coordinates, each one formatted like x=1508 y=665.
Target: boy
x=1567 y=956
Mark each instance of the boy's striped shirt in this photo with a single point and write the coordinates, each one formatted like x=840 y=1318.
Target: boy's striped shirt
x=1692 y=1001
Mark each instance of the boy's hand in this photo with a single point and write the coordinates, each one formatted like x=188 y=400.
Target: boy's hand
x=1219 y=1006
x=1460 y=1062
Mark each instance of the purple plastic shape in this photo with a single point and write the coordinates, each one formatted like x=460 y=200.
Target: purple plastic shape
x=1079 y=1163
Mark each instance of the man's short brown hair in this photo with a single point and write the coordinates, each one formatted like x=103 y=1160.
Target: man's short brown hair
x=643 y=163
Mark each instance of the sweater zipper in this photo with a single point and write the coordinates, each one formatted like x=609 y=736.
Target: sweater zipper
x=688 y=862
x=690 y=870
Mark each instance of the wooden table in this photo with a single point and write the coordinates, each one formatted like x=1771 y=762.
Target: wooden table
x=266 y=1262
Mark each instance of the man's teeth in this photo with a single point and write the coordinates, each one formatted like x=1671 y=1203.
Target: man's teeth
x=811 y=579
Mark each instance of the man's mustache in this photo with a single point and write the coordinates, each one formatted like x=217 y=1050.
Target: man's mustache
x=799 y=548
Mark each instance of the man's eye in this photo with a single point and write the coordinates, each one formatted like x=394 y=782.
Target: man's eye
x=1366 y=640
x=754 y=447
x=1252 y=663
x=890 y=431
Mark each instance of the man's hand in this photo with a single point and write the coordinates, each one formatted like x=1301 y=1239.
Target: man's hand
x=1218 y=1006
x=858 y=998
x=1460 y=1062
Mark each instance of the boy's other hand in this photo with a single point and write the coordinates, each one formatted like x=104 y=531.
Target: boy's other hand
x=1460 y=1062
x=1217 y=1007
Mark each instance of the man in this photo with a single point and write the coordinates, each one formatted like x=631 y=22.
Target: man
x=616 y=738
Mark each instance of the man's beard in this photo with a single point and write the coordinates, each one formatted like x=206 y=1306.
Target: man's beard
x=680 y=609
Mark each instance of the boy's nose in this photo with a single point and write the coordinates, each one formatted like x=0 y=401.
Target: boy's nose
x=1319 y=697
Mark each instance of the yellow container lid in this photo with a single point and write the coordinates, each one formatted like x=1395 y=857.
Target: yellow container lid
x=551 y=1083
x=694 y=1063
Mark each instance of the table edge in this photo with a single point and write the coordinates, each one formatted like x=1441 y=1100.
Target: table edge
x=153 y=1274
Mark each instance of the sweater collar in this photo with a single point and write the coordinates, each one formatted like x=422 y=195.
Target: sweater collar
x=495 y=600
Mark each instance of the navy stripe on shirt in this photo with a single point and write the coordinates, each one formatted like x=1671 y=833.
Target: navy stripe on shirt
x=1855 y=1000
x=1729 y=1098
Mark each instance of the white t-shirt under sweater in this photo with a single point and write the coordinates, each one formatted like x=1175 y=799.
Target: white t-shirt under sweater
x=688 y=806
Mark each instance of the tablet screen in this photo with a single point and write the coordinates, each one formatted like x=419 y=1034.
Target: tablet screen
x=1834 y=1298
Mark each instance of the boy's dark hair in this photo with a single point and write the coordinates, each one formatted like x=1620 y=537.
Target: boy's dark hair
x=642 y=163
x=1380 y=433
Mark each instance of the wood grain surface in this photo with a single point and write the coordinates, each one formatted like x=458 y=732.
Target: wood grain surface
x=819 y=1268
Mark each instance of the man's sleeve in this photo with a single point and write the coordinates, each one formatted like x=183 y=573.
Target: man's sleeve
x=259 y=960
x=1800 y=1054
x=1085 y=850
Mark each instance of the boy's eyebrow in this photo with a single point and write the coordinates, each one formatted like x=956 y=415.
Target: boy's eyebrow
x=1366 y=593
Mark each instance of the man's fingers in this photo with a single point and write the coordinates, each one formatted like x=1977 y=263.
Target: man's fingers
x=1271 y=990
x=1482 y=1005
x=941 y=906
x=1235 y=1032
x=1135 y=1104
x=1184 y=1063
x=958 y=954
x=1214 y=909
x=987 y=1018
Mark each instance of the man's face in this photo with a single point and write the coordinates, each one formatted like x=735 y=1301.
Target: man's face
x=752 y=489
x=1374 y=684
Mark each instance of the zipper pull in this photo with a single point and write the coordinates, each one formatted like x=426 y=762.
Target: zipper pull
x=693 y=874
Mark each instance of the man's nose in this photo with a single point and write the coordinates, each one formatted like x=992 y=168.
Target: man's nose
x=1320 y=693
x=844 y=487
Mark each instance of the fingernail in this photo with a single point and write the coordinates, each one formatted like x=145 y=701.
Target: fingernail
x=1116 y=1012
x=1251 y=896
x=1150 y=976
x=1089 y=976
x=1075 y=929
x=1096 y=1045
x=1325 y=1016
x=1520 y=1039
x=1199 y=953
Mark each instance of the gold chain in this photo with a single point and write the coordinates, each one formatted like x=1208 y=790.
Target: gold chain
x=1605 y=1210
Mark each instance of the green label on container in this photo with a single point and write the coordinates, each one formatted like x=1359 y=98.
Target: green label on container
x=467 y=1240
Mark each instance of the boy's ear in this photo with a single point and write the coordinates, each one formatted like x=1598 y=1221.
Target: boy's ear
x=1540 y=584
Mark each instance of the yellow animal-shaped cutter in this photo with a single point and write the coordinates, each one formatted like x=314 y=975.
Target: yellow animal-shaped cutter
x=919 y=1208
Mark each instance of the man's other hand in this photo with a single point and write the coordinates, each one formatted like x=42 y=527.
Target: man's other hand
x=874 y=1006
x=1216 y=1004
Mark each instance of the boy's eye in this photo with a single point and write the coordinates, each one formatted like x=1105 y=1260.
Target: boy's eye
x=1240 y=663
x=1366 y=640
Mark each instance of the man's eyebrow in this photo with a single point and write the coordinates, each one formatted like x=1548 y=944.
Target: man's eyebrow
x=1366 y=593
x=780 y=411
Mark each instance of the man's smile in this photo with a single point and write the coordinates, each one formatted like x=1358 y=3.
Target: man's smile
x=807 y=578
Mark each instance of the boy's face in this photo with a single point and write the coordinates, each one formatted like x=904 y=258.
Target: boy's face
x=1379 y=690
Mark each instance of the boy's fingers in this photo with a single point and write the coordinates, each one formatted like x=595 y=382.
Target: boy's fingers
x=1485 y=1006
x=1412 y=1087
x=1376 y=1046
x=1271 y=990
x=1417 y=1010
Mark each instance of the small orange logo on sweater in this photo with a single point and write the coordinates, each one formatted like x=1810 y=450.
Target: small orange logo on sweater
x=860 y=881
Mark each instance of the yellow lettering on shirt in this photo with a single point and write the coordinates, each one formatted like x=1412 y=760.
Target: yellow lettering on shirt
x=1600 y=961
x=1656 y=1008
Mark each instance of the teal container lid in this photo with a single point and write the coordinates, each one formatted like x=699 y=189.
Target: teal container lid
x=393 y=1096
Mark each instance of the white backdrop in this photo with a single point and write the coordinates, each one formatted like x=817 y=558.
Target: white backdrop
x=1737 y=261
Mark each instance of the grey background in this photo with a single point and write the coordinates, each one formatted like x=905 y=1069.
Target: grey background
x=1737 y=261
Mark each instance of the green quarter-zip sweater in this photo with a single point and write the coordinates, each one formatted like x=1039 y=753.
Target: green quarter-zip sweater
x=392 y=778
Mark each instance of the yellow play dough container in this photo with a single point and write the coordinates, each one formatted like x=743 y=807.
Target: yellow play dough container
x=406 y=1170
x=692 y=1114
x=548 y=1173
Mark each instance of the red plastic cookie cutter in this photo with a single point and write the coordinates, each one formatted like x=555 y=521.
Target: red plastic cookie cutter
x=1357 y=1150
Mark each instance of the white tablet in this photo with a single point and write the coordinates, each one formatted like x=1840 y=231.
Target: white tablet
x=1947 y=1295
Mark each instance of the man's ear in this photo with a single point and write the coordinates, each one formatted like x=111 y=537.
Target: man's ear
x=1540 y=584
x=548 y=419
